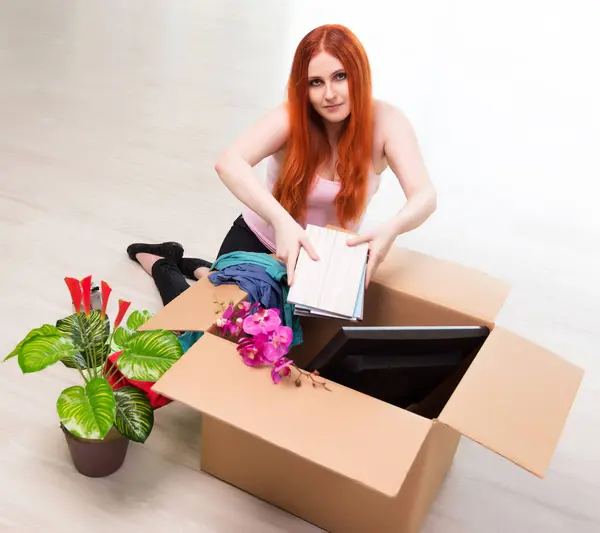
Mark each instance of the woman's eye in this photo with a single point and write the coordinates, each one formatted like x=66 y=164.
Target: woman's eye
x=314 y=83
x=340 y=76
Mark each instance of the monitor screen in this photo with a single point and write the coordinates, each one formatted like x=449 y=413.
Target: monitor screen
x=398 y=365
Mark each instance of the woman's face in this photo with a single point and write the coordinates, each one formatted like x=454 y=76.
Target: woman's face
x=328 y=87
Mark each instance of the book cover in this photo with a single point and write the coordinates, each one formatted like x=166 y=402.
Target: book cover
x=334 y=285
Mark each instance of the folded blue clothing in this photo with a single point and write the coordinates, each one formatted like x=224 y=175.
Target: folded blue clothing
x=275 y=268
x=262 y=288
x=254 y=280
x=263 y=278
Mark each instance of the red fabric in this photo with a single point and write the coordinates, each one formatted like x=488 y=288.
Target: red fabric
x=156 y=400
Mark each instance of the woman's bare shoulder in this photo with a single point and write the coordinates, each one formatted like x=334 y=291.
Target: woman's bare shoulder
x=386 y=114
x=279 y=117
x=265 y=137
x=282 y=120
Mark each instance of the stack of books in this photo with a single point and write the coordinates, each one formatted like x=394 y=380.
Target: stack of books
x=333 y=286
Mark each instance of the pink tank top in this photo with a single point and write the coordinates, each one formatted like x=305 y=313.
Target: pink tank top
x=320 y=204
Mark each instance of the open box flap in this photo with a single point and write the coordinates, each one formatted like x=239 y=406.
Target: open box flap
x=371 y=442
x=514 y=400
x=196 y=308
x=451 y=285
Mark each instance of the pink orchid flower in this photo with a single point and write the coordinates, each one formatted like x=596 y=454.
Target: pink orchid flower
x=228 y=312
x=263 y=321
x=246 y=306
x=230 y=323
x=281 y=369
x=224 y=320
x=279 y=344
x=251 y=349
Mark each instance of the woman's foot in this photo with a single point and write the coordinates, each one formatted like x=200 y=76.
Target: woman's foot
x=201 y=272
x=193 y=268
x=169 y=250
x=147 y=261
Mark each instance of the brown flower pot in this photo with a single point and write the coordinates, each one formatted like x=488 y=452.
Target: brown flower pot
x=97 y=458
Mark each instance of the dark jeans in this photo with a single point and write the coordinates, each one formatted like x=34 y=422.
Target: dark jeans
x=171 y=282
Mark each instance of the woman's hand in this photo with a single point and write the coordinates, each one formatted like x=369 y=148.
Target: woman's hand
x=380 y=241
x=289 y=238
x=403 y=155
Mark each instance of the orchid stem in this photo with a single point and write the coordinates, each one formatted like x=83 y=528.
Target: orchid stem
x=312 y=378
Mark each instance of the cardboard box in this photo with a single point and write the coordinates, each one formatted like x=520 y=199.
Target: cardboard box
x=347 y=462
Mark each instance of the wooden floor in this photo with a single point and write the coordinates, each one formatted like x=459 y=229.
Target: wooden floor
x=111 y=116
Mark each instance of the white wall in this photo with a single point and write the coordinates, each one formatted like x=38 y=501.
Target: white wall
x=504 y=98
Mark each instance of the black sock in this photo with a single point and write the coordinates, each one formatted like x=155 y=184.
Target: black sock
x=190 y=264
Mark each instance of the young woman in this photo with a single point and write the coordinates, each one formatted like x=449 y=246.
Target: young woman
x=327 y=147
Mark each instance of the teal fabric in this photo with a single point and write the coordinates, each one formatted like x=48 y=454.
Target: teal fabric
x=188 y=338
x=273 y=268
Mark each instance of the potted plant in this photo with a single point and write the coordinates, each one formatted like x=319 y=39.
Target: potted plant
x=117 y=367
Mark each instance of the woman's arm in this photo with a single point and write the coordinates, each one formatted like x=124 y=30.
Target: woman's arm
x=403 y=155
x=234 y=166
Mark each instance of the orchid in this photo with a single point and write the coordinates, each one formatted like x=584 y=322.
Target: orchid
x=261 y=339
x=279 y=343
x=263 y=321
x=230 y=324
x=281 y=369
x=252 y=349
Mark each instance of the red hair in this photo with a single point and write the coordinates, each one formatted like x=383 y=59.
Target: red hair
x=307 y=146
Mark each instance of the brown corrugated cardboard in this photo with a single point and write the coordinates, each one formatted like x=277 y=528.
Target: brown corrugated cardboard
x=345 y=461
x=449 y=285
x=309 y=423
x=514 y=399
x=196 y=308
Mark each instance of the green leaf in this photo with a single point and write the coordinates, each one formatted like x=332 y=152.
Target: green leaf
x=121 y=336
x=46 y=329
x=87 y=332
x=148 y=355
x=137 y=318
x=42 y=351
x=124 y=333
x=88 y=413
x=135 y=416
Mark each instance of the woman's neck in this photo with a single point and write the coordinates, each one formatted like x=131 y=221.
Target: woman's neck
x=333 y=130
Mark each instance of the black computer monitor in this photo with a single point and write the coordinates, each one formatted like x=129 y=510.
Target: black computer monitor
x=398 y=365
